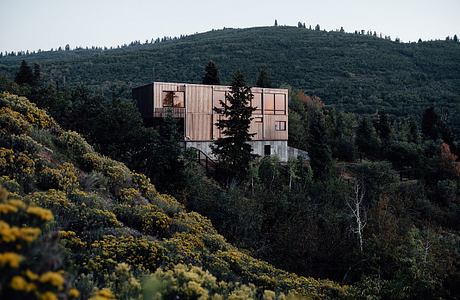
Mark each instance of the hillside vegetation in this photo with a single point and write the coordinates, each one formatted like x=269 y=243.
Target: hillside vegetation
x=76 y=224
x=358 y=73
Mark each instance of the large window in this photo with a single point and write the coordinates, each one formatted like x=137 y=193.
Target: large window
x=257 y=103
x=280 y=126
x=280 y=104
x=218 y=97
x=274 y=104
x=173 y=99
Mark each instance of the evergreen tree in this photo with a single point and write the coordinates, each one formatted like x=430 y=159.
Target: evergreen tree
x=384 y=128
x=24 y=75
x=37 y=73
x=455 y=38
x=233 y=149
x=320 y=153
x=276 y=22
x=168 y=167
x=211 y=75
x=430 y=123
x=342 y=30
x=367 y=139
x=263 y=80
x=414 y=134
x=317 y=27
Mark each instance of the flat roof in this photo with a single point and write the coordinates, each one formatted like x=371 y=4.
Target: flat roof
x=206 y=85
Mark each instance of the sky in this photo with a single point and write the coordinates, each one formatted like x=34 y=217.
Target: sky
x=46 y=24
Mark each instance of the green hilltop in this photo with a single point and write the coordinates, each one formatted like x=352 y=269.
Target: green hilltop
x=358 y=72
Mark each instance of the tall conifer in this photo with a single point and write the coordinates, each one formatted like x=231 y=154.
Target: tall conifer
x=233 y=149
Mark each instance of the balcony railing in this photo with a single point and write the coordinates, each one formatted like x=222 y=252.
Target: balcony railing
x=177 y=112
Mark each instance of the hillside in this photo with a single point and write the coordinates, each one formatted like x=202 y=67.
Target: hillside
x=358 y=73
x=72 y=218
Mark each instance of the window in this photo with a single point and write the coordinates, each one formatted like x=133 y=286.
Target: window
x=219 y=96
x=275 y=104
x=269 y=104
x=257 y=103
x=173 y=99
x=280 y=104
x=280 y=126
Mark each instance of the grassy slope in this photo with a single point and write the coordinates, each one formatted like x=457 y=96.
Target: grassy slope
x=358 y=73
x=107 y=215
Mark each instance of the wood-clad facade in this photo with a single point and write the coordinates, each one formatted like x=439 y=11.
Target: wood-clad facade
x=194 y=103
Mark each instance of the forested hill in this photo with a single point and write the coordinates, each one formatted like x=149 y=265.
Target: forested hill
x=359 y=73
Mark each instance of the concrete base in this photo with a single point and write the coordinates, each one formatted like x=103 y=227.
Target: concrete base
x=279 y=148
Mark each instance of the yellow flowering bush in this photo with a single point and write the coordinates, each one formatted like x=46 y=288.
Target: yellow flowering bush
x=63 y=178
x=129 y=195
x=191 y=282
x=104 y=294
x=20 y=143
x=92 y=161
x=148 y=219
x=70 y=240
x=10 y=184
x=141 y=253
x=13 y=122
x=50 y=199
x=10 y=259
x=28 y=110
x=19 y=166
x=43 y=214
x=21 y=229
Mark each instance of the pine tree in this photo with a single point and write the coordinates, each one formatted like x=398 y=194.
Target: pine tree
x=211 y=75
x=367 y=139
x=276 y=22
x=317 y=27
x=430 y=123
x=168 y=167
x=320 y=153
x=24 y=75
x=455 y=38
x=263 y=80
x=384 y=127
x=37 y=73
x=233 y=149
x=414 y=134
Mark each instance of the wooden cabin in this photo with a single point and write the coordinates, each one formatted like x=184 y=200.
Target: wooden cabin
x=193 y=104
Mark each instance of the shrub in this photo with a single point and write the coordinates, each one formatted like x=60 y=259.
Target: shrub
x=20 y=143
x=20 y=165
x=13 y=122
x=26 y=275
x=148 y=218
x=63 y=178
x=74 y=145
x=141 y=253
x=29 y=110
x=190 y=282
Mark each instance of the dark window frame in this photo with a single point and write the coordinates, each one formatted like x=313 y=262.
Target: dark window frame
x=280 y=125
x=173 y=104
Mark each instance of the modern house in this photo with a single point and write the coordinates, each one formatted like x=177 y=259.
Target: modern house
x=193 y=104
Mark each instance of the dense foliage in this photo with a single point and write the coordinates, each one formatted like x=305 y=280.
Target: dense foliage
x=358 y=72
x=376 y=208
x=109 y=228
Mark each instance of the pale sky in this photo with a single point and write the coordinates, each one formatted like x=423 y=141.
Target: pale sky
x=45 y=24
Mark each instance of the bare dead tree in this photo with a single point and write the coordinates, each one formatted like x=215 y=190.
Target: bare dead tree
x=358 y=212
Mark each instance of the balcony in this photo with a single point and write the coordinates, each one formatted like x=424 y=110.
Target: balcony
x=177 y=112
